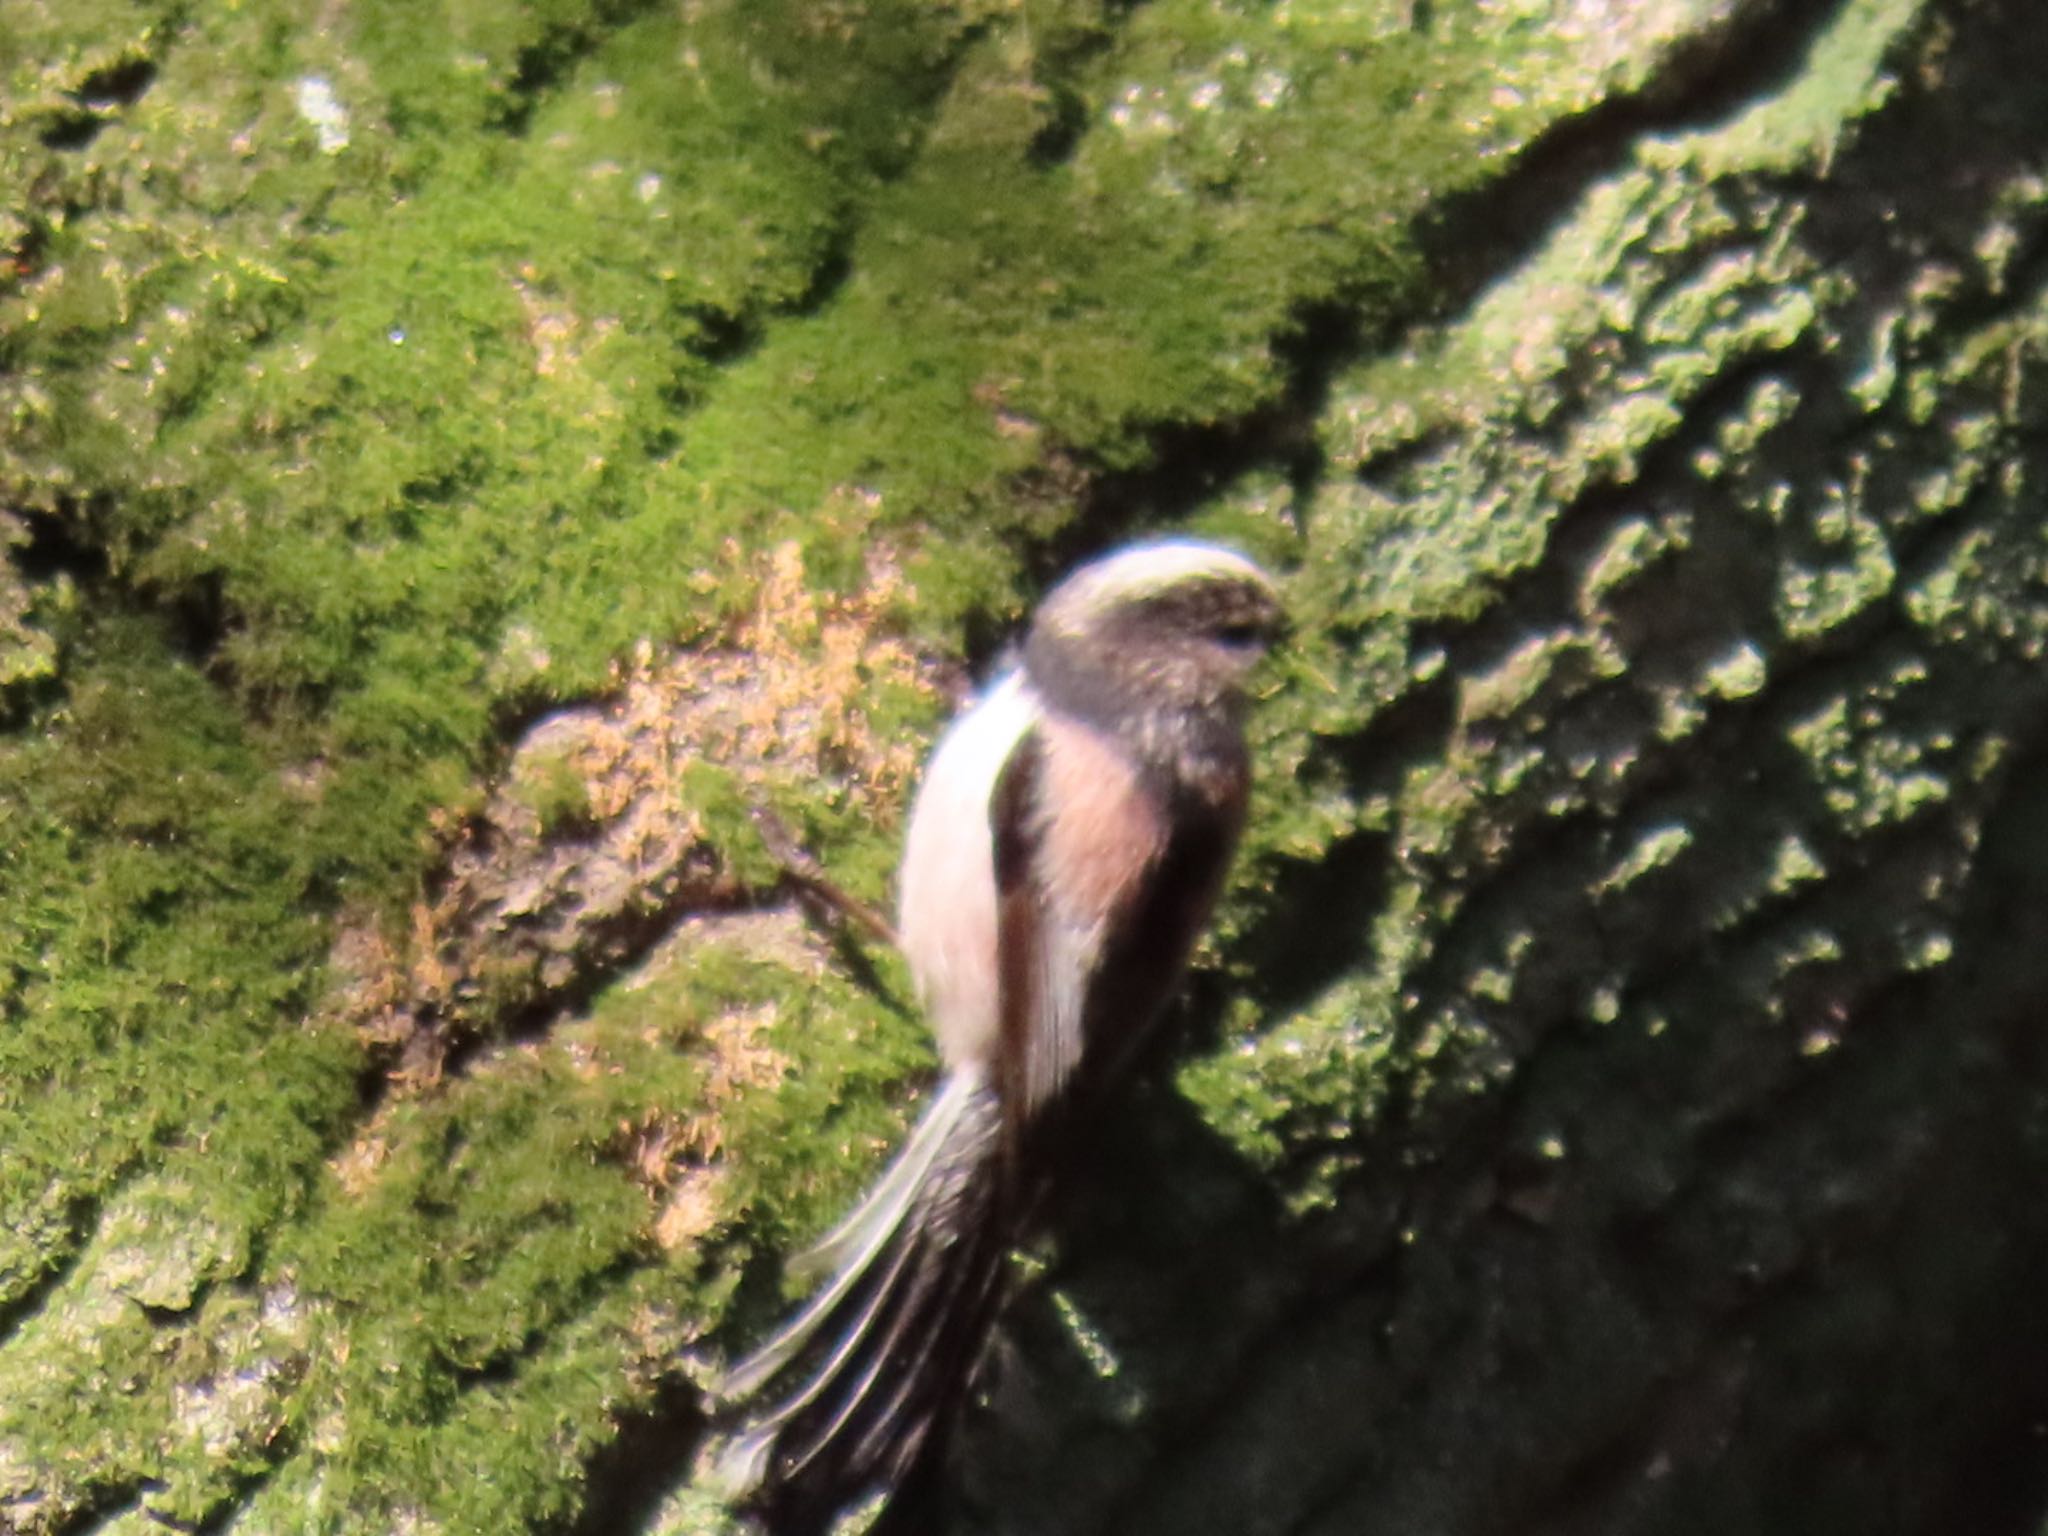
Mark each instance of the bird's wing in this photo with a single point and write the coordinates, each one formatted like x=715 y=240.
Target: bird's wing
x=1038 y=1009
x=1078 y=835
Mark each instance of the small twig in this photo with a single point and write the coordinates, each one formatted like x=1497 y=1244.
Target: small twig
x=804 y=871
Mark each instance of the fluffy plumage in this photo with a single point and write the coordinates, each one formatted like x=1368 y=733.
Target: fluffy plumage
x=1065 y=849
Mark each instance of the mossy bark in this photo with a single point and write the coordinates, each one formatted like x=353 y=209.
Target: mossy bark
x=1611 y=1100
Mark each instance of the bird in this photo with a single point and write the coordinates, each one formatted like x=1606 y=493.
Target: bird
x=1065 y=849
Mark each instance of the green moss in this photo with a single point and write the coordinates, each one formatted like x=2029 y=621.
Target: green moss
x=1813 y=600
x=27 y=648
x=1451 y=464
x=420 y=426
x=1739 y=674
x=555 y=791
x=1658 y=848
x=727 y=806
x=1869 y=771
x=163 y=1100
x=1794 y=865
x=157 y=907
x=436 y=458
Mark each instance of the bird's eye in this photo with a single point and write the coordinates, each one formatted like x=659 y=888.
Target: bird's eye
x=1241 y=636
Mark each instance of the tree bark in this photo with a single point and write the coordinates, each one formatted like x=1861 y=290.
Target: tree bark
x=1612 y=1099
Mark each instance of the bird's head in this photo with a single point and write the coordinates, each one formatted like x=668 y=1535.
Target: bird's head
x=1151 y=633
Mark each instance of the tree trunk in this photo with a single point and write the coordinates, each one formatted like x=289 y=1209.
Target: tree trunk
x=459 y=467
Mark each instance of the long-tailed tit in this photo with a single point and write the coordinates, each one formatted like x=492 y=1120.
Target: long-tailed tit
x=1064 y=852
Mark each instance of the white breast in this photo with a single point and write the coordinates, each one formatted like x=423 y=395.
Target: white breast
x=946 y=910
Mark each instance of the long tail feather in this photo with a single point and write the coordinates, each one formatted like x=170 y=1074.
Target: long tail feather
x=849 y=1250
x=883 y=1351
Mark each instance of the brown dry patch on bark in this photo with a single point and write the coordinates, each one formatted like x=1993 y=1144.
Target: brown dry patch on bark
x=614 y=819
